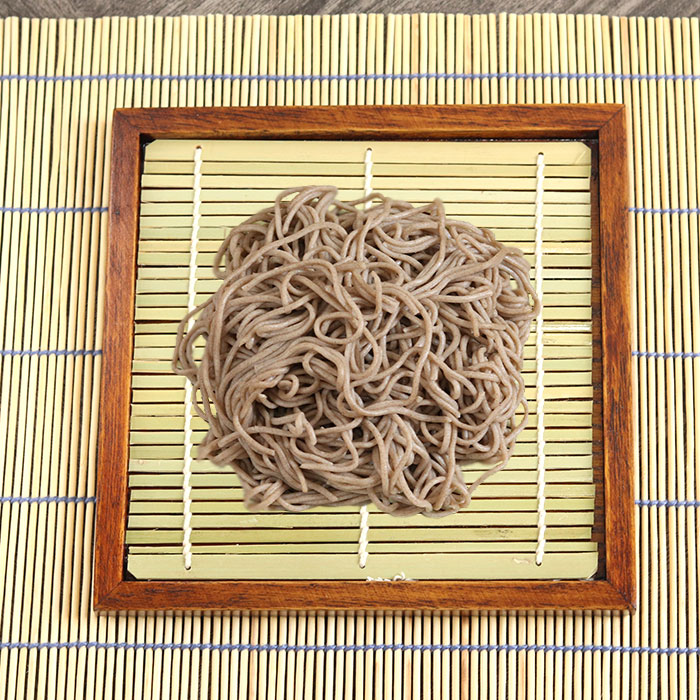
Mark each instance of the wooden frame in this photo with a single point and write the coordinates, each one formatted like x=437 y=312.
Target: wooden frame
x=604 y=124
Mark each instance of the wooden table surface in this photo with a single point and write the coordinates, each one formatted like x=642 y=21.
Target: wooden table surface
x=98 y=8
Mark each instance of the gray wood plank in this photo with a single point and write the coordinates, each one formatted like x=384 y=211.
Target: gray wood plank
x=99 y=8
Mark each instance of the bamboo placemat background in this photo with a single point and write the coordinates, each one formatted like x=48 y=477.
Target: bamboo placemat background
x=59 y=81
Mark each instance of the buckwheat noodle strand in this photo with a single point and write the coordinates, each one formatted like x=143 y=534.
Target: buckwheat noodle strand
x=357 y=355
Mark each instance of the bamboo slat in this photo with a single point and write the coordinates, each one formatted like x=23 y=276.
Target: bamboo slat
x=60 y=80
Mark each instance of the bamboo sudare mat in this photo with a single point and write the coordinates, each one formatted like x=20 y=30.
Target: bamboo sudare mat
x=490 y=184
x=59 y=81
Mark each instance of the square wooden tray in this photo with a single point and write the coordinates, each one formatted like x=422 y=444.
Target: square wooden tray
x=601 y=125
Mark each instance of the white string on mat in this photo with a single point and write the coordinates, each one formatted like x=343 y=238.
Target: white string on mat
x=364 y=511
x=364 y=537
x=368 y=172
x=539 y=355
x=401 y=576
x=191 y=304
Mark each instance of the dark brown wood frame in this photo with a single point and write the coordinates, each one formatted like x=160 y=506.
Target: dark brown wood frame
x=605 y=124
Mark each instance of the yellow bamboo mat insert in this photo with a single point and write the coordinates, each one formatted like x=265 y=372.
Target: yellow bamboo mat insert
x=492 y=185
x=59 y=81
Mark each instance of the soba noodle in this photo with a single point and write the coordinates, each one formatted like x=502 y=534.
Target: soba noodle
x=359 y=352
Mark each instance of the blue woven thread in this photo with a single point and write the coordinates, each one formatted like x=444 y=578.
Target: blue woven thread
x=102 y=210
x=350 y=76
x=665 y=355
x=667 y=503
x=41 y=353
x=396 y=646
x=54 y=210
x=670 y=503
x=672 y=210
x=47 y=499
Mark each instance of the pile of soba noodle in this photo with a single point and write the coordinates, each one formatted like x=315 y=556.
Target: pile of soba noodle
x=359 y=352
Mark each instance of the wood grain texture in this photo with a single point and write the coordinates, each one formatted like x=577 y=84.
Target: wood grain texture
x=113 y=436
x=363 y=595
x=605 y=123
x=616 y=262
x=373 y=122
x=99 y=8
